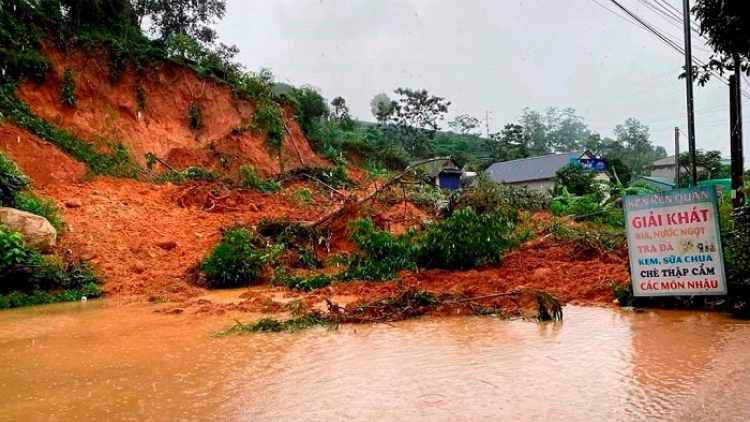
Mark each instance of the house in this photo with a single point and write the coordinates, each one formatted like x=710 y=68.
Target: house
x=443 y=172
x=655 y=182
x=538 y=172
x=663 y=168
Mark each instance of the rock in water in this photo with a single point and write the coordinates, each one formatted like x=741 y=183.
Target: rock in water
x=37 y=231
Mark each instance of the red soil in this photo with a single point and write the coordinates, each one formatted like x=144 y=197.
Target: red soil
x=104 y=111
x=139 y=238
x=44 y=163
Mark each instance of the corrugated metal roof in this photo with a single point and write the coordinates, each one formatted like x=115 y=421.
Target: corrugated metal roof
x=666 y=161
x=533 y=168
x=654 y=179
x=433 y=168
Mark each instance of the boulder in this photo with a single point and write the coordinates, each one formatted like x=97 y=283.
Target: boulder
x=37 y=231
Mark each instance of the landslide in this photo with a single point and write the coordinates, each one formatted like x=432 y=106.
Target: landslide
x=106 y=111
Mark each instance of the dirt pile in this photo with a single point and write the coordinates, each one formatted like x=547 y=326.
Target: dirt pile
x=139 y=238
x=112 y=112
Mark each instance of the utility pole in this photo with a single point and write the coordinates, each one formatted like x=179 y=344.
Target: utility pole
x=487 y=122
x=689 y=85
x=677 y=157
x=735 y=119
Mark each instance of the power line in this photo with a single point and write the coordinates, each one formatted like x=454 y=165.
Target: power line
x=641 y=23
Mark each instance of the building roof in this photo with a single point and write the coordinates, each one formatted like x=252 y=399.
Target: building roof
x=654 y=179
x=664 y=162
x=533 y=168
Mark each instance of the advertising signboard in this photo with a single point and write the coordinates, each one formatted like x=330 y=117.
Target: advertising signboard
x=674 y=244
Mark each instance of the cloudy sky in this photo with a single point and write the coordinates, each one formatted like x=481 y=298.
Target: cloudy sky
x=495 y=56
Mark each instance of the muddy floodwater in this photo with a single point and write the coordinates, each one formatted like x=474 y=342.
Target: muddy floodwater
x=93 y=362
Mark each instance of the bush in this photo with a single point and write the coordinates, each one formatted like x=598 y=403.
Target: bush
x=28 y=278
x=12 y=181
x=576 y=180
x=68 y=92
x=191 y=173
x=194 y=116
x=489 y=196
x=468 y=239
x=249 y=179
x=337 y=177
x=237 y=260
x=382 y=255
x=30 y=202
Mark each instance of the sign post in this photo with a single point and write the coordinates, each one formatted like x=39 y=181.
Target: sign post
x=674 y=243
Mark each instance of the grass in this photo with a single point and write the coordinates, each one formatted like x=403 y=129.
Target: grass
x=19 y=299
x=116 y=162
x=44 y=207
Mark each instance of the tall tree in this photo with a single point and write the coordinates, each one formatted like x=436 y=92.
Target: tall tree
x=639 y=151
x=508 y=144
x=707 y=163
x=535 y=132
x=465 y=125
x=726 y=24
x=193 y=18
x=414 y=120
x=381 y=106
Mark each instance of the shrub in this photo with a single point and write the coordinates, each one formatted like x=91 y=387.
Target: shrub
x=30 y=202
x=237 y=260
x=575 y=179
x=68 y=93
x=28 y=278
x=468 y=239
x=191 y=173
x=382 y=255
x=489 y=196
x=12 y=181
x=194 y=116
x=249 y=179
x=337 y=177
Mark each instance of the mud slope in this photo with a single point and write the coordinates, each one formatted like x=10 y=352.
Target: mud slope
x=109 y=112
x=44 y=163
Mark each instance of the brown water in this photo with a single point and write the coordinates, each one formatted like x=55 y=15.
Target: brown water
x=91 y=362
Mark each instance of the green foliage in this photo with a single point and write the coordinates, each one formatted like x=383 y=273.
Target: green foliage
x=599 y=239
x=237 y=260
x=303 y=197
x=382 y=254
x=28 y=278
x=270 y=325
x=33 y=203
x=337 y=177
x=140 y=97
x=259 y=87
x=468 y=239
x=18 y=299
x=194 y=116
x=623 y=295
x=489 y=196
x=575 y=180
x=708 y=165
x=304 y=284
x=249 y=179
x=12 y=181
x=413 y=121
x=191 y=173
x=68 y=93
x=310 y=107
x=117 y=162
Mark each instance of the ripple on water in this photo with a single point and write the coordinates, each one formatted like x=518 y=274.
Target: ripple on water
x=73 y=363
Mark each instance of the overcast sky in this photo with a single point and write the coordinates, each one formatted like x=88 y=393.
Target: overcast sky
x=486 y=55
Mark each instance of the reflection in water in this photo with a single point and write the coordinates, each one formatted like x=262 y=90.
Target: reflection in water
x=80 y=363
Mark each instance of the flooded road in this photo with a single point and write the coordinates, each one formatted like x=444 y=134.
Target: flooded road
x=89 y=362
